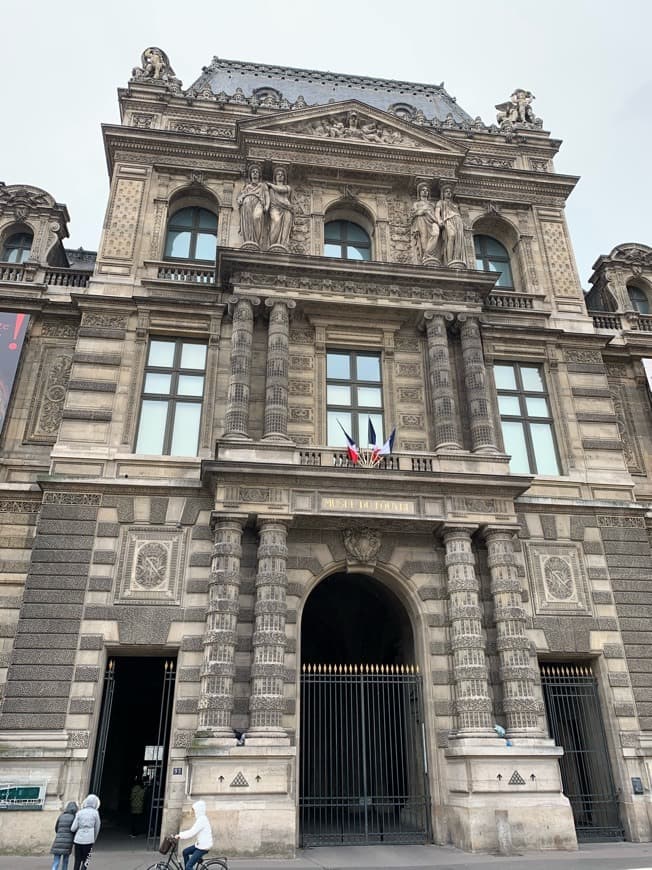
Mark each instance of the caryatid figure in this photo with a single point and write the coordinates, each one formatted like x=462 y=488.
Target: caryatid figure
x=281 y=210
x=425 y=228
x=253 y=202
x=447 y=215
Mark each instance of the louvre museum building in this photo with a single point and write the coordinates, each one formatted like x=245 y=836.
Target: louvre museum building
x=325 y=489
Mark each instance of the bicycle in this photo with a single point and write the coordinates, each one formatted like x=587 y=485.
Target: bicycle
x=169 y=847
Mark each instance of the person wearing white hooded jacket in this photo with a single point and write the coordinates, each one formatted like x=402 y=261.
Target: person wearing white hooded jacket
x=86 y=827
x=202 y=833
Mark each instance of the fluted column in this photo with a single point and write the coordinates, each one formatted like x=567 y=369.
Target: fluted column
x=278 y=360
x=218 y=669
x=442 y=391
x=267 y=671
x=236 y=420
x=520 y=704
x=483 y=437
x=470 y=671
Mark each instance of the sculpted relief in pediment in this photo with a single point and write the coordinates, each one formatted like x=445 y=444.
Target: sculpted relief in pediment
x=353 y=126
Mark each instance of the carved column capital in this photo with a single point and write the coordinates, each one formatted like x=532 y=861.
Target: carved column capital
x=271 y=301
x=234 y=301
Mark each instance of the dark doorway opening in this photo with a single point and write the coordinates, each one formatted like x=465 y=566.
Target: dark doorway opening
x=570 y=692
x=132 y=745
x=363 y=772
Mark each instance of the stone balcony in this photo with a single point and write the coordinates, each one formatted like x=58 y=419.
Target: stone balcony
x=628 y=321
x=50 y=276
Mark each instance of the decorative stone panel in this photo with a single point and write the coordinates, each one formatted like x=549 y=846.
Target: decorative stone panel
x=150 y=565
x=558 y=578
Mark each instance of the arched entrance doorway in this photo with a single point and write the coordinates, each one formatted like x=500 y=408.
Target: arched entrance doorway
x=363 y=772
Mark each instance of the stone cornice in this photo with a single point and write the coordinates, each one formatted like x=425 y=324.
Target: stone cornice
x=324 y=278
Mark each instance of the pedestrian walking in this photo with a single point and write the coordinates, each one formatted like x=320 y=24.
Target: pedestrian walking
x=203 y=834
x=86 y=827
x=62 y=845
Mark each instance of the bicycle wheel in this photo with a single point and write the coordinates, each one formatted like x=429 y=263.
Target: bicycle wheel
x=215 y=864
x=160 y=865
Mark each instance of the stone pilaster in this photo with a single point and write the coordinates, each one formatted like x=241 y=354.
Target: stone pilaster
x=267 y=671
x=446 y=425
x=218 y=670
x=483 y=437
x=236 y=419
x=519 y=700
x=470 y=671
x=278 y=358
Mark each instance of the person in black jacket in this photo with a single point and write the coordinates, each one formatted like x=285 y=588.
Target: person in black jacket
x=62 y=846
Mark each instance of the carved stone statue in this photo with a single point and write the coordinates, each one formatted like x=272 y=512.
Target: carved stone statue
x=253 y=201
x=351 y=126
x=447 y=215
x=424 y=225
x=518 y=110
x=155 y=67
x=281 y=210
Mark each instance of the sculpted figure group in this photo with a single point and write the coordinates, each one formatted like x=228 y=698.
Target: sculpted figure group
x=266 y=211
x=437 y=229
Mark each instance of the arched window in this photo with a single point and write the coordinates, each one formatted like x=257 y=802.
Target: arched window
x=346 y=240
x=17 y=248
x=639 y=299
x=491 y=256
x=191 y=235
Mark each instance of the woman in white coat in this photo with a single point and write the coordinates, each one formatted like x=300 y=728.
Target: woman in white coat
x=202 y=833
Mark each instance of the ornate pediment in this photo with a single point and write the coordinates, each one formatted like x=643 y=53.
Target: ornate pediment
x=632 y=254
x=349 y=123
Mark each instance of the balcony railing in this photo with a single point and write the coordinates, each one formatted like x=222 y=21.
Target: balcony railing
x=512 y=301
x=630 y=320
x=185 y=274
x=26 y=273
x=607 y=321
x=340 y=459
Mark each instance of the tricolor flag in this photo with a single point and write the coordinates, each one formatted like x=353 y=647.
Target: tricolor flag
x=387 y=447
x=351 y=446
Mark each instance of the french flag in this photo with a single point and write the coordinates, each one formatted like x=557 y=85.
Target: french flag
x=387 y=447
x=351 y=446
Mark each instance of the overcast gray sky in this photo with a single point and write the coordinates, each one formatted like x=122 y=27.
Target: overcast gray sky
x=587 y=62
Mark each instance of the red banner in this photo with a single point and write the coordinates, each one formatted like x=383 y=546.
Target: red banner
x=13 y=327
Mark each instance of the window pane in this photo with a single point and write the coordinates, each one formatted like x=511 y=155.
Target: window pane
x=354 y=233
x=161 y=353
x=333 y=251
x=479 y=263
x=544 y=448
x=205 y=246
x=363 y=428
x=177 y=244
x=509 y=406
x=193 y=356
x=368 y=368
x=505 y=279
x=335 y=435
x=185 y=436
x=504 y=377
x=207 y=220
x=191 y=385
x=333 y=231
x=151 y=430
x=493 y=247
x=156 y=382
x=182 y=218
x=532 y=380
x=338 y=365
x=337 y=395
x=537 y=407
x=515 y=445
x=369 y=398
x=353 y=253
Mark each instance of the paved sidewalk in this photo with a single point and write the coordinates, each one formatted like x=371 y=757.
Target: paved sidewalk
x=620 y=856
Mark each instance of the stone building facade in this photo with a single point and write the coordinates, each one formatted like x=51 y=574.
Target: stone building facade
x=196 y=574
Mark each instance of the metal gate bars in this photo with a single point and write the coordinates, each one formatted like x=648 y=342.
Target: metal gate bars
x=572 y=704
x=363 y=761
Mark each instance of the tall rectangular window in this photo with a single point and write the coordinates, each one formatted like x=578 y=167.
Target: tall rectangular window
x=170 y=410
x=525 y=419
x=354 y=395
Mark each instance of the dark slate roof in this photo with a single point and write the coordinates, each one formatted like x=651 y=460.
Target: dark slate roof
x=320 y=88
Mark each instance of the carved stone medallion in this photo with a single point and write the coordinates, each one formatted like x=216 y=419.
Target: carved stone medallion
x=361 y=545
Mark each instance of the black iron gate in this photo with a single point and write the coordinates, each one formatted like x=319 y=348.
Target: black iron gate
x=159 y=765
x=364 y=776
x=573 y=707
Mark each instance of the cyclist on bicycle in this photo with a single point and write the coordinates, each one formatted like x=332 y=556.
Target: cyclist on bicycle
x=203 y=833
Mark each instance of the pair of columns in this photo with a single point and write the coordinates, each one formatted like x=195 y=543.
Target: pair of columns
x=473 y=705
x=236 y=421
x=442 y=387
x=266 y=703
